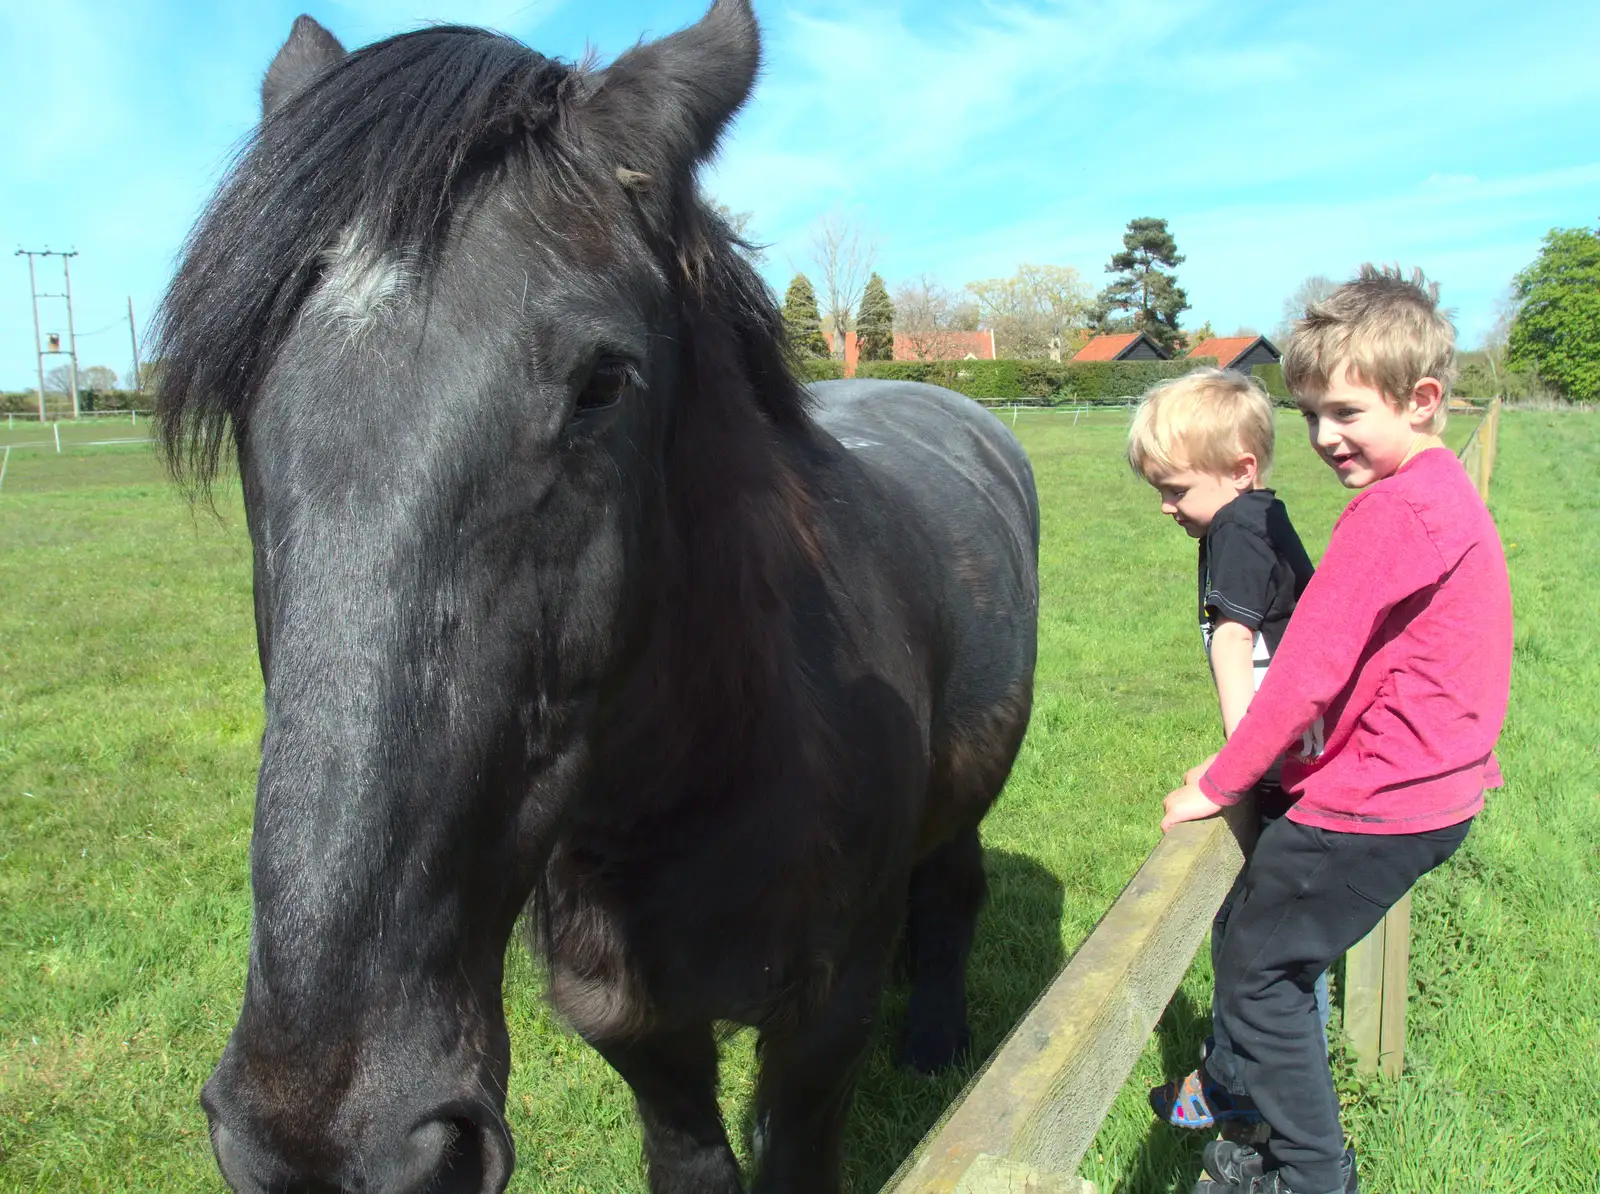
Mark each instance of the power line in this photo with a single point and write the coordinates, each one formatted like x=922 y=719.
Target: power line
x=115 y=323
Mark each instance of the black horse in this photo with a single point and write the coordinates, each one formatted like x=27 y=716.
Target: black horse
x=571 y=600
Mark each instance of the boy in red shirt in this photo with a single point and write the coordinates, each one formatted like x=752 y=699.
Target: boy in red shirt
x=1387 y=692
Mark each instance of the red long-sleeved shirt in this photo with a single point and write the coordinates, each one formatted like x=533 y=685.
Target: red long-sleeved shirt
x=1389 y=688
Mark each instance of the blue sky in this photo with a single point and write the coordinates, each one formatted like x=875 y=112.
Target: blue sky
x=1279 y=139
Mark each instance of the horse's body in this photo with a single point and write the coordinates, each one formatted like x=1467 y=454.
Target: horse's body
x=912 y=645
x=598 y=614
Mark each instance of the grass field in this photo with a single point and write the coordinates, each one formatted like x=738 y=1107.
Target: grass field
x=129 y=726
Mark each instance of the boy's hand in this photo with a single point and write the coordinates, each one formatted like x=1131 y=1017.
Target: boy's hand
x=1191 y=777
x=1188 y=803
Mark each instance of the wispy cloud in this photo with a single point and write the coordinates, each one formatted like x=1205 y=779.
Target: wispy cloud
x=864 y=96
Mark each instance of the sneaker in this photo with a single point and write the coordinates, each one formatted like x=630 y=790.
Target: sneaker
x=1195 y=1101
x=1239 y=1169
x=1232 y=1166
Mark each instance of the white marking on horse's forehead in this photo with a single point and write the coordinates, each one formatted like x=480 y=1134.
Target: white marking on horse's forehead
x=360 y=283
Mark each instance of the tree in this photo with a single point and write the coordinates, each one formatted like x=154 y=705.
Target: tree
x=801 y=318
x=1035 y=312
x=965 y=315
x=1556 y=331
x=1196 y=336
x=1144 y=286
x=738 y=223
x=59 y=380
x=1311 y=291
x=843 y=254
x=1496 y=349
x=1497 y=340
x=923 y=314
x=97 y=377
x=875 y=322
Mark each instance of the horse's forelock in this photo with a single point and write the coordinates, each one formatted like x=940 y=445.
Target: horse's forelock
x=346 y=190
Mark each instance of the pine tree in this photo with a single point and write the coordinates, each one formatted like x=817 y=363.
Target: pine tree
x=803 y=320
x=875 y=322
x=1149 y=292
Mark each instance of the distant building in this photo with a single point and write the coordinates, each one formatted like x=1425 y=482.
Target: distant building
x=935 y=346
x=1238 y=353
x=1132 y=346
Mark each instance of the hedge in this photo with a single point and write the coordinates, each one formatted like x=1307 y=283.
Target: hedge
x=1475 y=381
x=1271 y=376
x=1036 y=381
x=818 y=369
x=27 y=401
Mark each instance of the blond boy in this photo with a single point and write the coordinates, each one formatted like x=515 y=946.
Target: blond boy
x=1204 y=442
x=1388 y=692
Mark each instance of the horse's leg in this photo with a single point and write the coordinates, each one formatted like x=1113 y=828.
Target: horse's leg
x=808 y=1077
x=674 y=1079
x=947 y=891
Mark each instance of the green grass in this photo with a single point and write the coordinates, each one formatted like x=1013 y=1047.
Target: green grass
x=129 y=726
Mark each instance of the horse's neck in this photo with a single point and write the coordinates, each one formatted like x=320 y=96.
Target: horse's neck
x=716 y=695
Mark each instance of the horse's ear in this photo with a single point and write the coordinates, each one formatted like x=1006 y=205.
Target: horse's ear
x=310 y=50
x=665 y=104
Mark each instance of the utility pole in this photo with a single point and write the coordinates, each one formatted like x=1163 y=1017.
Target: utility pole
x=133 y=339
x=38 y=349
x=72 y=336
x=40 y=352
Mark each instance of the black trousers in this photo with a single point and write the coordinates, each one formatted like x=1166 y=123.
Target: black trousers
x=1305 y=896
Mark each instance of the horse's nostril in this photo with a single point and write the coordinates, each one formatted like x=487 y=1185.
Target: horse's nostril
x=237 y=1167
x=470 y=1158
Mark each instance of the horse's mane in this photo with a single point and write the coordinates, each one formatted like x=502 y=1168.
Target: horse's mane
x=397 y=139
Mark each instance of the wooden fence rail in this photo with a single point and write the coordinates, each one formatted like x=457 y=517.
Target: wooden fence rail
x=1024 y=1122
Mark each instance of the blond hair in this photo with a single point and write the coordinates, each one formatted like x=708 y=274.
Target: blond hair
x=1385 y=329
x=1205 y=420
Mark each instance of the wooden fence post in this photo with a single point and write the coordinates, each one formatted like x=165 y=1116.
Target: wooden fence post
x=1376 y=973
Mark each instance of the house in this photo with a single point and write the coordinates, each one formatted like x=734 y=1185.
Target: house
x=1133 y=346
x=935 y=346
x=1238 y=353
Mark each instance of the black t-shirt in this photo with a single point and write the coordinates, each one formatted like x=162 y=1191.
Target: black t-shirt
x=1253 y=569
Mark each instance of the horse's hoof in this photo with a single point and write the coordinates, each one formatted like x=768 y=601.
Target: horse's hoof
x=932 y=1049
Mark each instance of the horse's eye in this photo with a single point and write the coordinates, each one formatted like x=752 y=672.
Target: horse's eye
x=605 y=387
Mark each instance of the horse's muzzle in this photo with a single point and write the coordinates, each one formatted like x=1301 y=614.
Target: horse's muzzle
x=453 y=1152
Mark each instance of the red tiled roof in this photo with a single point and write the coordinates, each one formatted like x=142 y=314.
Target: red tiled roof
x=1106 y=348
x=1227 y=349
x=946 y=345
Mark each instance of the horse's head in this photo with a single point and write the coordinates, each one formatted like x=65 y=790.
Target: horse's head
x=439 y=309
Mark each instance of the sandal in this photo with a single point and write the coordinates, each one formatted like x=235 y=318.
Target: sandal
x=1194 y=1101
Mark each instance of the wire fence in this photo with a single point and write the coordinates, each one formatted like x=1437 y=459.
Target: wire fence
x=70 y=454
x=131 y=417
